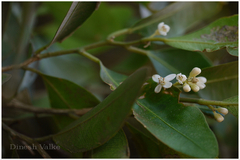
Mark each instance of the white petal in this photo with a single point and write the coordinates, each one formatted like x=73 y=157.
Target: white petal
x=201 y=85
x=160 y=25
x=167 y=28
x=167 y=85
x=156 y=78
x=184 y=78
x=158 y=88
x=170 y=77
x=163 y=33
x=202 y=79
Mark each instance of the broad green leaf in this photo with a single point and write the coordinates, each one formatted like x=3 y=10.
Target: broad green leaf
x=148 y=145
x=64 y=94
x=222 y=81
x=233 y=109
x=219 y=34
x=67 y=95
x=103 y=122
x=181 y=128
x=112 y=78
x=180 y=16
x=169 y=61
x=233 y=51
x=76 y=16
x=5 y=77
x=116 y=147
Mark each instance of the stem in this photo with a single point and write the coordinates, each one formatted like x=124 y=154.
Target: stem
x=117 y=33
x=19 y=105
x=29 y=140
x=137 y=50
x=207 y=102
x=89 y=56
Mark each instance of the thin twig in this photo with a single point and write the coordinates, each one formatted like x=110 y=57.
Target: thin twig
x=28 y=108
x=207 y=102
x=27 y=139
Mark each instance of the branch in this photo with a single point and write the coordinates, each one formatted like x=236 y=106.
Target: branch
x=29 y=140
x=28 y=108
x=207 y=102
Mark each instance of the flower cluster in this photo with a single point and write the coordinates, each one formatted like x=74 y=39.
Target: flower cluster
x=192 y=82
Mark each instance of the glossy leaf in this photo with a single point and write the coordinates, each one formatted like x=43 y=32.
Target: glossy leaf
x=181 y=128
x=219 y=34
x=103 y=122
x=180 y=16
x=116 y=147
x=113 y=79
x=76 y=16
x=222 y=81
x=5 y=77
x=170 y=61
x=233 y=109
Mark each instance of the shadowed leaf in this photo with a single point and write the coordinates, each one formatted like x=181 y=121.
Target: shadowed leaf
x=116 y=147
x=103 y=122
x=5 y=77
x=222 y=81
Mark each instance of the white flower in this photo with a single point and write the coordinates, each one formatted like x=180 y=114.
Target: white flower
x=163 y=82
x=193 y=82
x=181 y=78
x=163 y=29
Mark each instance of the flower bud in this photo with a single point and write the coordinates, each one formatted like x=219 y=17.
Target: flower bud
x=186 y=87
x=194 y=87
x=195 y=71
x=222 y=110
x=218 y=116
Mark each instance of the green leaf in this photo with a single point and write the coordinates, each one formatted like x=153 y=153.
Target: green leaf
x=180 y=16
x=64 y=94
x=146 y=147
x=67 y=95
x=169 y=61
x=181 y=128
x=233 y=109
x=5 y=77
x=116 y=147
x=222 y=81
x=76 y=16
x=233 y=51
x=101 y=123
x=112 y=78
x=219 y=34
